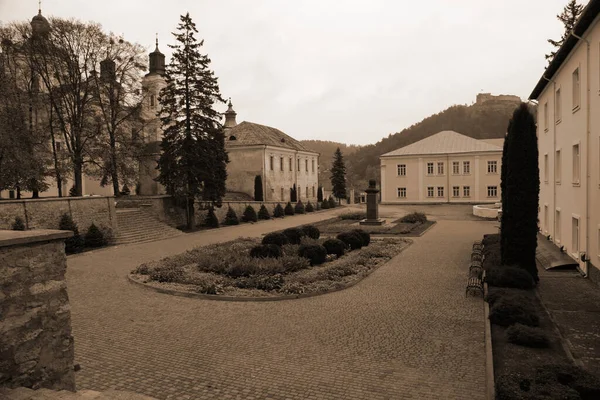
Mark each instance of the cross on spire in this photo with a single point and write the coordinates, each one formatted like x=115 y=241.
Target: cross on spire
x=40 y=6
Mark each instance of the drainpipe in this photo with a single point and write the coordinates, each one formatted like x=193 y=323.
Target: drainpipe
x=448 y=176
x=553 y=157
x=587 y=156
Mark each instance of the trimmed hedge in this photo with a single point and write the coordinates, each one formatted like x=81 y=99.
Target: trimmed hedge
x=414 y=217
x=249 y=215
x=365 y=236
x=231 y=217
x=331 y=202
x=278 y=212
x=75 y=243
x=266 y=251
x=263 y=213
x=294 y=235
x=299 y=208
x=352 y=239
x=19 y=224
x=524 y=335
x=311 y=231
x=94 y=237
x=289 y=209
x=506 y=313
x=309 y=207
x=315 y=253
x=325 y=205
x=335 y=246
x=509 y=277
x=277 y=238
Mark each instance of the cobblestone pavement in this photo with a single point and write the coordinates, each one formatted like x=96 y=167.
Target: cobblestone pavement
x=405 y=332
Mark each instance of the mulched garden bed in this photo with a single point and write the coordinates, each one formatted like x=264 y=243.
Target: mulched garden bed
x=397 y=227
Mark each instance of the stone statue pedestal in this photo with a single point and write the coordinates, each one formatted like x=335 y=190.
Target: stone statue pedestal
x=372 y=206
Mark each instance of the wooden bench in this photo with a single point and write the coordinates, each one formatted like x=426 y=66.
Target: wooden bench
x=476 y=256
x=477 y=247
x=474 y=283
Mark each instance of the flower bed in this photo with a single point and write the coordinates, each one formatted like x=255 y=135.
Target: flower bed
x=400 y=227
x=228 y=269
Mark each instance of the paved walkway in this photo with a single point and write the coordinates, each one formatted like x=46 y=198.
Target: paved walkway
x=407 y=331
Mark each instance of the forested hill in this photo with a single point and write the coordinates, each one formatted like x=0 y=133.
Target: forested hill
x=326 y=149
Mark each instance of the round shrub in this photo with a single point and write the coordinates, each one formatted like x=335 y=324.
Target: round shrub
x=512 y=295
x=278 y=212
x=18 y=225
x=75 y=243
x=289 y=210
x=94 y=237
x=309 y=207
x=231 y=217
x=315 y=253
x=211 y=219
x=249 y=215
x=335 y=246
x=294 y=235
x=311 y=231
x=299 y=208
x=331 y=202
x=277 y=238
x=366 y=238
x=351 y=239
x=509 y=277
x=266 y=251
x=506 y=313
x=524 y=335
x=414 y=217
x=263 y=213
x=324 y=205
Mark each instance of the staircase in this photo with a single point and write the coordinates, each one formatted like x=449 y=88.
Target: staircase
x=135 y=225
x=22 y=393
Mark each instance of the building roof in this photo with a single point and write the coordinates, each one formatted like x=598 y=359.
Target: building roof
x=588 y=15
x=445 y=142
x=249 y=133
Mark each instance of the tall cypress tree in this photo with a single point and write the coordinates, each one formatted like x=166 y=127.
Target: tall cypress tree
x=338 y=175
x=258 y=188
x=505 y=221
x=193 y=160
x=522 y=186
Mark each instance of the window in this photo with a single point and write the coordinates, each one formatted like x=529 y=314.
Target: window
x=492 y=191
x=306 y=165
x=440 y=191
x=557 y=167
x=546 y=217
x=557 y=106
x=282 y=194
x=440 y=168
x=467 y=191
x=429 y=168
x=313 y=191
x=492 y=167
x=271 y=162
x=455 y=167
x=281 y=163
x=546 y=168
x=298 y=165
x=152 y=101
x=576 y=90
x=576 y=164
x=291 y=168
x=575 y=236
x=466 y=167
x=299 y=193
x=429 y=191
x=402 y=192
x=455 y=191
x=313 y=166
x=546 y=117
x=401 y=169
x=557 y=226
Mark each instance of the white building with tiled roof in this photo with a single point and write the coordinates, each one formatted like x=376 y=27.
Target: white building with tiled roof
x=447 y=167
x=279 y=159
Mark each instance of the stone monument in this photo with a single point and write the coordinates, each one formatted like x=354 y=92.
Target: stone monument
x=372 y=206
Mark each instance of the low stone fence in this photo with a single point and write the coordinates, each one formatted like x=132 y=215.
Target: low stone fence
x=46 y=213
x=36 y=346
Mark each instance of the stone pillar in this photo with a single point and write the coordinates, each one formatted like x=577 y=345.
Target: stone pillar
x=372 y=206
x=35 y=319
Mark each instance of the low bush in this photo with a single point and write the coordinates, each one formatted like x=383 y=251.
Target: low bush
x=509 y=277
x=324 y=205
x=289 y=209
x=168 y=273
x=365 y=236
x=211 y=219
x=516 y=386
x=335 y=246
x=94 y=237
x=492 y=255
x=331 y=202
x=309 y=207
x=505 y=313
x=231 y=217
x=299 y=208
x=263 y=213
x=512 y=295
x=261 y=282
x=19 y=224
x=524 y=335
x=352 y=239
x=583 y=382
x=354 y=216
x=249 y=215
x=491 y=238
x=294 y=235
x=266 y=251
x=277 y=238
x=311 y=231
x=142 y=269
x=414 y=217
x=316 y=254
x=278 y=212
x=75 y=243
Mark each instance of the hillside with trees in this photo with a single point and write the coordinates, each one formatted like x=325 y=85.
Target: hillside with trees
x=326 y=149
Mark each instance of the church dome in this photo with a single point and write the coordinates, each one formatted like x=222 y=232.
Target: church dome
x=40 y=25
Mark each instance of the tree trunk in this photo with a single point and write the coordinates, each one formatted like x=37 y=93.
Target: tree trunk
x=191 y=213
x=77 y=175
x=18 y=192
x=113 y=166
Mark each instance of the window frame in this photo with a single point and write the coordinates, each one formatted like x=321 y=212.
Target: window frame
x=494 y=190
x=576 y=85
x=546 y=168
x=558 y=166
x=440 y=189
x=455 y=191
x=401 y=169
x=546 y=124
x=557 y=225
x=440 y=168
x=401 y=192
x=271 y=163
x=575 y=249
x=576 y=164
x=466 y=191
x=494 y=164
x=455 y=167
x=430 y=164
x=430 y=191
x=557 y=106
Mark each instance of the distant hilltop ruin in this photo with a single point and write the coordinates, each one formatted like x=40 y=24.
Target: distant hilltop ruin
x=487 y=97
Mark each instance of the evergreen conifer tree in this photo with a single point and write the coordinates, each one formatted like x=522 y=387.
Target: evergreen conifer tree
x=193 y=161
x=505 y=222
x=263 y=213
x=320 y=194
x=568 y=17
x=338 y=175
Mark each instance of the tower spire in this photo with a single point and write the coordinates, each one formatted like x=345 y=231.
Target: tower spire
x=40 y=7
x=156 y=41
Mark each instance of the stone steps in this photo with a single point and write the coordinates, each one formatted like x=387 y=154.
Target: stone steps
x=138 y=226
x=23 y=393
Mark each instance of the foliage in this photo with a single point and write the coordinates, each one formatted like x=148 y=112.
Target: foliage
x=309 y=207
x=125 y=191
x=338 y=175
x=516 y=385
x=316 y=253
x=211 y=219
x=331 y=202
x=263 y=213
x=299 y=208
x=325 y=205
x=364 y=236
x=354 y=216
x=94 y=237
x=335 y=246
x=320 y=194
x=576 y=378
x=289 y=209
x=278 y=212
x=19 y=224
x=294 y=235
x=261 y=282
x=75 y=243
x=266 y=250
x=511 y=295
x=168 y=274
x=414 y=217
x=258 y=188
x=568 y=17
x=351 y=239
x=192 y=164
x=231 y=217
x=520 y=210
x=490 y=239
x=249 y=215
x=493 y=255
x=524 y=335
x=506 y=312
x=509 y=277
x=293 y=194
x=311 y=231
x=277 y=238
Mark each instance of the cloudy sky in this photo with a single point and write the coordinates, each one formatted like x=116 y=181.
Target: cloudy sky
x=342 y=70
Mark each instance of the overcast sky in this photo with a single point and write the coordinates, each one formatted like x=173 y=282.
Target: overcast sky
x=347 y=70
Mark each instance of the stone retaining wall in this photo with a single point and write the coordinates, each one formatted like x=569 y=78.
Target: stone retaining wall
x=36 y=346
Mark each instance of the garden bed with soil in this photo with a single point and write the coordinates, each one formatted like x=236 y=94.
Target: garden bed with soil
x=403 y=227
x=227 y=270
